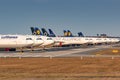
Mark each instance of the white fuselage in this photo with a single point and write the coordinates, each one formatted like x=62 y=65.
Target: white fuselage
x=112 y=40
x=70 y=40
x=37 y=40
x=95 y=40
x=81 y=40
x=15 y=41
x=47 y=41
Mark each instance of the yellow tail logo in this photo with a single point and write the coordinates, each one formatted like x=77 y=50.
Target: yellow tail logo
x=65 y=34
x=38 y=32
x=69 y=33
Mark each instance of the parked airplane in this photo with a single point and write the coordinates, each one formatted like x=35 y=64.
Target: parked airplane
x=15 y=41
x=46 y=40
x=86 y=40
x=37 y=41
x=61 y=41
x=97 y=40
x=66 y=40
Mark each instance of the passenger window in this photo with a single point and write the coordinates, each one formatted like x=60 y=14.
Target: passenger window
x=28 y=38
x=49 y=38
x=39 y=39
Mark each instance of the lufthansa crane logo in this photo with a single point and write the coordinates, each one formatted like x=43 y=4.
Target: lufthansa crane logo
x=38 y=31
x=65 y=34
x=69 y=33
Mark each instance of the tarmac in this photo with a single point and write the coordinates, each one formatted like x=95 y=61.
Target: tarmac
x=61 y=52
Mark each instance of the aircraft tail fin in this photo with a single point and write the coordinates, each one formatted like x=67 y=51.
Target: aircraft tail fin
x=32 y=30
x=80 y=34
x=69 y=33
x=65 y=33
x=45 y=33
x=51 y=33
x=35 y=31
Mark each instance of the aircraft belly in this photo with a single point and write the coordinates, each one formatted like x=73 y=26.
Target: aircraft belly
x=23 y=45
x=12 y=44
x=6 y=44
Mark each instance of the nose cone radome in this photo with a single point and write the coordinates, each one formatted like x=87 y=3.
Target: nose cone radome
x=30 y=42
x=48 y=41
x=37 y=43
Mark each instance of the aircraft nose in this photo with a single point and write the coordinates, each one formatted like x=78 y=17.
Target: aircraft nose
x=38 y=42
x=117 y=40
x=52 y=42
x=30 y=42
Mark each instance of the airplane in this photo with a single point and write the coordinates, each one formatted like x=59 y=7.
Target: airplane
x=15 y=41
x=61 y=41
x=112 y=40
x=69 y=34
x=95 y=40
x=12 y=42
x=65 y=40
x=84 y=40
x=37 y=41
x=47 y=41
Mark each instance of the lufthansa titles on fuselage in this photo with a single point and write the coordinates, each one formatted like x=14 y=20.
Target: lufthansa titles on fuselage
x=9 y=37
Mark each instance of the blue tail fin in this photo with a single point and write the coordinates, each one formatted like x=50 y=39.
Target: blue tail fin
x=45 y=33
x=35 y=31
x=80 y=34
x=51 y=33
x=32 y=30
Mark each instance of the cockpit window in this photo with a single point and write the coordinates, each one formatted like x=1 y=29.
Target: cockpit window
x=28 y=38
x=39 y=39
x=49 y=38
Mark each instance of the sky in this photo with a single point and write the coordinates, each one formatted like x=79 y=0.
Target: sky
x=88 y=16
